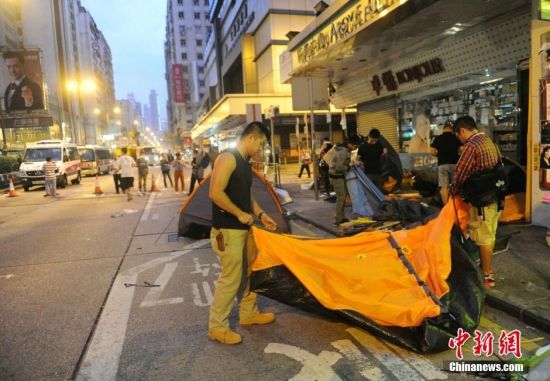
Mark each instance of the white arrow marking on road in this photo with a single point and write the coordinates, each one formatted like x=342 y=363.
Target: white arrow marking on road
x=7 y=276
x=317 y=368
x=152 y=298
x=197 y=297
x=103 y=355
x=147 y=210
x=401 y=370
x=366 y=367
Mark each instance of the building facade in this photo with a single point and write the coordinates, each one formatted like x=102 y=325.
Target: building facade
x=408 y=75
x=74 y=68
x=243 y=68
x=187 y=32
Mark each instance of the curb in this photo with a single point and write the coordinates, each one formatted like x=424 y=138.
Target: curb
x=525 y=315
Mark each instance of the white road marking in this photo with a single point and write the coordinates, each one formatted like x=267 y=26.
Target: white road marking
x=7 y=276
x=420 y=363
x=365 y=366
x=103 y=355
x=401 y=370
x=152 y=298
x=147 y=210
x=317 y=368
x=197 y=297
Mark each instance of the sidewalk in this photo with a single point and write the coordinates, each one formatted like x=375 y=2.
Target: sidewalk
x=523 y=272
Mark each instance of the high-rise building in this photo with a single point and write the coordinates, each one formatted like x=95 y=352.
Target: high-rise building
x=154 y=117
x=188 y=31
x=95 y=62
x=73 y=54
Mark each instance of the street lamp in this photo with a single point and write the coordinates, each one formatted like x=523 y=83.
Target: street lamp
x=86 y=86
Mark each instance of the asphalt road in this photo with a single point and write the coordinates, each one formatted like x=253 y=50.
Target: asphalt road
x=65 y=310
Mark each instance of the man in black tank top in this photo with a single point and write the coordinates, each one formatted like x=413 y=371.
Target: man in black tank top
x=231 y=238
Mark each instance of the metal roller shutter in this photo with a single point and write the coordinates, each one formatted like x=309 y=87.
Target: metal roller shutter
x=380 y=114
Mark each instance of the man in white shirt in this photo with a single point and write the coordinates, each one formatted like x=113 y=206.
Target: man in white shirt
x=125 y=164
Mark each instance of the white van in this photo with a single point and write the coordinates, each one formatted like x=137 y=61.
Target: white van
x=95 y=160
x=65 y=156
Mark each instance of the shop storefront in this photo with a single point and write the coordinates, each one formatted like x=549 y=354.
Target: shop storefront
x=410 y=67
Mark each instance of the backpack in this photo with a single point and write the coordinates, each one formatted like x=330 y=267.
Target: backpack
x=486 y=187
x=339 y=162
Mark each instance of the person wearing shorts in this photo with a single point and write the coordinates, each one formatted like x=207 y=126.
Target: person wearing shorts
x=446 y=147
x=125 y=164
x=479 y=153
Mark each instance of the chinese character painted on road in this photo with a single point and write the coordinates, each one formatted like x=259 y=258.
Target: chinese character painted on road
x=457 y=342
x=203 y=269
x=483 y=343
x=510 y=343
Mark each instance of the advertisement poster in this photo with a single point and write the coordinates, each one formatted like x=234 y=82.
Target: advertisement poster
x=21 y=81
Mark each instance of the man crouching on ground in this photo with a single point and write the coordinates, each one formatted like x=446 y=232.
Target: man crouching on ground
x=232 y=208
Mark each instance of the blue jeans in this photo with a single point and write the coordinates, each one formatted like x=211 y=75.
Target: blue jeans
x=50 y=186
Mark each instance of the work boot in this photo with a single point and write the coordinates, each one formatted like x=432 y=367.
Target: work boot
x=225 y=336
x=259 y=318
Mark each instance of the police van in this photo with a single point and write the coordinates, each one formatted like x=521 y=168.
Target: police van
x=64 y=155
x=95 y=160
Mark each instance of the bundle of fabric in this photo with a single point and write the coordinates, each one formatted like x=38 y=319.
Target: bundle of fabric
x=414 y=287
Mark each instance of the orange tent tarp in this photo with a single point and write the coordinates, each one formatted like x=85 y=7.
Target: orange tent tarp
x=363 y=273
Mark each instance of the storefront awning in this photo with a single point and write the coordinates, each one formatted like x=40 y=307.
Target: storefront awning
x=233 y=107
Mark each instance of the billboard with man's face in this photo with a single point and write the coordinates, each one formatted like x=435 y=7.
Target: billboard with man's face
x=21 y=81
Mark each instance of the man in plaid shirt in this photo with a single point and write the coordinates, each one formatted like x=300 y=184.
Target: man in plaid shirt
x=479 y=153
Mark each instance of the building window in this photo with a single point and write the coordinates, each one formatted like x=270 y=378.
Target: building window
x=183 y=42
x=205 y=3
x=197 y=15
x=206 y=15
x=208 y=30
x=184 y=69
x=199 y=42
x=183 y=56
x=201 y=83
x=200 y=56
x=201 y=70
x=196 y=2
x=180 y=2
x=182 y=29
x=180 y=15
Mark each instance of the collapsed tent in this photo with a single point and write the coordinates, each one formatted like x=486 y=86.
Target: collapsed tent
x=365 y=196
x=414 y=287
x=196 y=213
x=391 y=163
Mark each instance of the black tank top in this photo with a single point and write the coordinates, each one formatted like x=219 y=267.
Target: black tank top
x=238 y=191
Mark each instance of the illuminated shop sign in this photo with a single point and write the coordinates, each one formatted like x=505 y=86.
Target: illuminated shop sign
x=363 y=13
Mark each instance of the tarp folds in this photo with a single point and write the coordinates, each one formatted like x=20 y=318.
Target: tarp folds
x=361 y=279
x=365 y=196
x=196 y=213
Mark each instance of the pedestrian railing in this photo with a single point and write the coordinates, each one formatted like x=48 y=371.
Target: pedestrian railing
x=271 y=171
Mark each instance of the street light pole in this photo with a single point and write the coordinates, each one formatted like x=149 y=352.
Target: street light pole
x=313 y=154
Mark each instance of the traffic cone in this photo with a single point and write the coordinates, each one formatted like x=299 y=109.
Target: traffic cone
x=97 y=191
x=12 y=189
x=154 y=187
